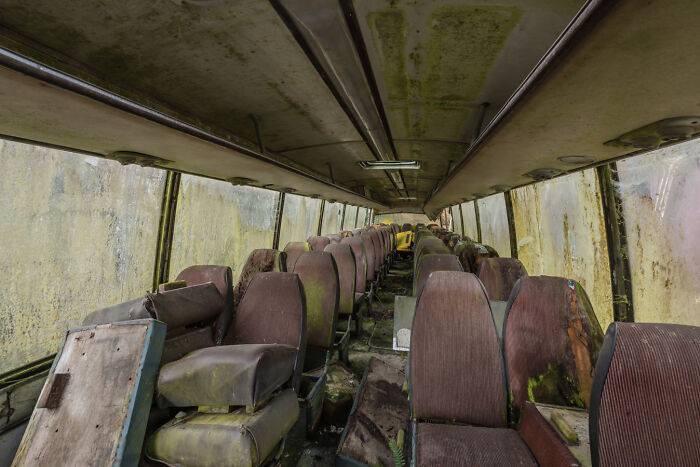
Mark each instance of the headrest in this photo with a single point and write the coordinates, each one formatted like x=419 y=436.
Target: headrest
x=356 y=232
x=551 y=342
x=318 y=243
x=318 y=274
x=260 y=260
x=358 y=250
x=456 y=367
x=644 y=401
x=345 y=261
x=431 y=263
x=499 y=275
x=471 y=256
x=293 y=250
x=222 y=278
x=335 y=238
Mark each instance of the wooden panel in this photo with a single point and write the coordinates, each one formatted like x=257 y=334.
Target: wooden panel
x=99 y=418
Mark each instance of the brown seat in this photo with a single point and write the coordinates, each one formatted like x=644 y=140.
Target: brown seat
x=499 y=275
x=644 y=401
x=362 y=300
x=431 y=263
x=318 y=274
x=372 y=243
x=368 y=246
x=472 y=254
x=222 y=278
x=551 y=342
x=345 y=261
x=426 y=246
x=457 y=378
x=260 y=260
x=293 y=250
x=318 y=243
x=335 y=238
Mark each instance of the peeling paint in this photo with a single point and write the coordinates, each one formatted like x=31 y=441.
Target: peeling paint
x=79 y=233
x=218 y=223
x=560 y=230
x=660 y=193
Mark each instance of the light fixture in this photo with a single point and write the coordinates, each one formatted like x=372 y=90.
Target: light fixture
x=576 y=160
x=407 y=198
x=389 y=165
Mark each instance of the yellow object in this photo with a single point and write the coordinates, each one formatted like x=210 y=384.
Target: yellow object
x=404 y=240
x=387 y=222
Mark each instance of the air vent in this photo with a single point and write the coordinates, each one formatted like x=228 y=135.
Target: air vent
x=655 y=134
x=543 y=174
x=242 y=181
x=136 y=158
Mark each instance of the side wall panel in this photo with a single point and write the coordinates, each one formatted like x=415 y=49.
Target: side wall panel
x=78 y=233
x=494 y=223
x=456 y=220
x=469 y=220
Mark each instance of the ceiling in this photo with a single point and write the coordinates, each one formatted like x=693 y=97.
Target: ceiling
x=334 y=82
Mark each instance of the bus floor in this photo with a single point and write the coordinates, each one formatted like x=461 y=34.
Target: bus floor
x=375 y=341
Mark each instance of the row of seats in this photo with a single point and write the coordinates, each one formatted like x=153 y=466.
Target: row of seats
x=471 y=394
x=236 y=358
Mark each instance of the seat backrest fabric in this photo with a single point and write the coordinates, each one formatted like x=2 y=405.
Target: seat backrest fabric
x=358 y=249
x=272 y=311
x=318 y=243
x=471 y=256
x=371 y=243
x=293 y=251
x=345 y=262
x=260 y=260
x=455 y=362
x=432 y=263
x=318 y=274
x=551 y=341
x=644 y=401
x=222 y=278
x=499 y=275
x=369 y=252
x=429 y=245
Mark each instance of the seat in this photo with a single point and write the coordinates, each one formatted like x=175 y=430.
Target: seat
x=551 y=342
x=428 y=245
x=346 y=264
x=335 y=238
x=499 y=275
x=318 y=243
x=457 y=379
x=644 y=400
x=222 y=278
x=362 y=302
x=472 y=254
x=431 y=263
x=269 y=341
x=406 y=227
x=368 y=246
x=374 y=252
x=293 y=250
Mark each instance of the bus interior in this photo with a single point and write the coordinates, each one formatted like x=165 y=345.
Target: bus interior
x=349 y=232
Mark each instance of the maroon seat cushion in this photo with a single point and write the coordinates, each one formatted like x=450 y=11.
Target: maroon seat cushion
x=456 y=367
x=293 y=250
x=499 y=275
x=552 y=340
x=358 y=249
x=455 y=445
x=318 y=243
x=222 y=278
x=345 y=261
x=432 y=263
x=318 y=274
x=644 y=402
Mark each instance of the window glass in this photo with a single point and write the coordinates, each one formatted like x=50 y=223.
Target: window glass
x=456 y=220
x=78 y=233
x=350 y=215
x=403 y=218
x=660 y=194
x=299 y=219
x=494 y=223
x=361 y=217
x=469 y=220
x=561 y=232
x=332 y=213
x=219 y=223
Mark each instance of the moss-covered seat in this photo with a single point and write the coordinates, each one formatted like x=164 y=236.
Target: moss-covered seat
x=318 y=243
x=499 y=276
x=362 y=301
x=431 y=263
x=346 y=263
x=245 y=393
x=293 y=250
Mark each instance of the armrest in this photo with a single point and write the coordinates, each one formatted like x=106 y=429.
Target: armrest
x=229 y=375
x=545 y=444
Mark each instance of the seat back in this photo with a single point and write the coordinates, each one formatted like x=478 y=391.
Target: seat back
x=318 y=243
x=551 y=342
x=428 y=245
x=346 y=264
x=499 y=275
x=472 y=254
x=222 y=278
x=318 y=274
x=368 y=246
x=335 y=238
x=455 y=362
x=358 y=249
x=293 y=250
x=432 y=263
x=373 y=244
x=272 y=311
x=644 y=401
